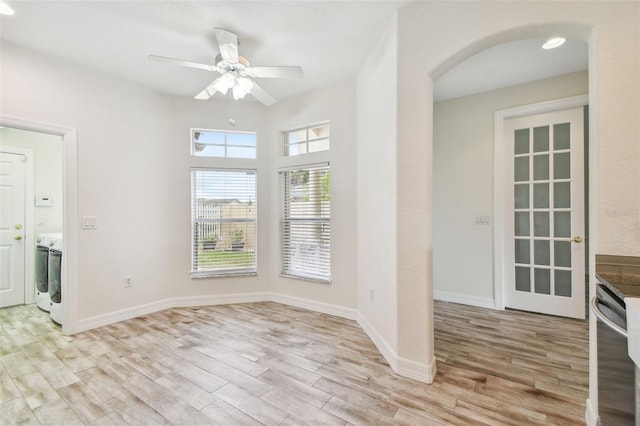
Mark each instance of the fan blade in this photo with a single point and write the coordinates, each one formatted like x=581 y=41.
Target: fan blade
x=276 y=72
x=208 y=91
x=228 y=45
x=260 y=94
x=183 y=63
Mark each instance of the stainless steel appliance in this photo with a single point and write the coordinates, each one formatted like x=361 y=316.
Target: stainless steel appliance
x=616 y=370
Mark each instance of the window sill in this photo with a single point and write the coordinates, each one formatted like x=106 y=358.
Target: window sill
x=229 y=274
x=303 y=278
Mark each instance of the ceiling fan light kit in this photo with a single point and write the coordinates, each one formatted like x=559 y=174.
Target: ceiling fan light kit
x=236 y=71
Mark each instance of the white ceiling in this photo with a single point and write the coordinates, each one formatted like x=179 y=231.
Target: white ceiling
x=329 y=39
x=510 y=64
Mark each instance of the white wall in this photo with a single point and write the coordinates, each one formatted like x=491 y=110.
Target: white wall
x=335 y=104
x=463 y=183
x=376 y=192
x=185 y=114
x=47 y=151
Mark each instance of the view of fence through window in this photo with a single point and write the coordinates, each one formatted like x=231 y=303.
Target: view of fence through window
x=306 y=223
x=223 y=221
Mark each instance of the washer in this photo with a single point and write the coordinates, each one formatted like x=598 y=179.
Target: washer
x=55 y=280
x=41 y=276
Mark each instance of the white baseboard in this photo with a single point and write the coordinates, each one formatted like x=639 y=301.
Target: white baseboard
x=590 y=416
x=402 y=366
x=417 y=370
x=387 y=352
x=447 y=296
x=223 y=299
x=312 y=305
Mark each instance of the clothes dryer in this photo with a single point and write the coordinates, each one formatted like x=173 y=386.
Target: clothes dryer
x=41 y=275
x=55 y=281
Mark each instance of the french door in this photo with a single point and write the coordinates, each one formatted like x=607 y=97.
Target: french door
x=544 y=213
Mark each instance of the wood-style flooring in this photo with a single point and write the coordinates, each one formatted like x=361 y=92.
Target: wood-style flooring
x=266 y=363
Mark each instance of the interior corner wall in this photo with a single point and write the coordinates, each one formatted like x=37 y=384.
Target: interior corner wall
x=376 y=112
x=47 y=150
x=337 y=105
x=463 y=183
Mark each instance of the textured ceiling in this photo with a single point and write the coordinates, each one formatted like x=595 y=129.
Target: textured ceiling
x=329 y=39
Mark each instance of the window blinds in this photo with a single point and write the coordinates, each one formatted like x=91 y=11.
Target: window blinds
x=305 y=222
x=223 y=218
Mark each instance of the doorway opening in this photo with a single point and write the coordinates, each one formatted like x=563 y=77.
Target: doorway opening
x=464 y=193
x=32 y=198
x=67 y=285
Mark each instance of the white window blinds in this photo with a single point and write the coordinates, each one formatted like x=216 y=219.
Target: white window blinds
x=223 y=220
x=305 y=222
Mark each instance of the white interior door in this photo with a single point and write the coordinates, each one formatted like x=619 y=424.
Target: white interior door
x=12 y=220
x=544 y=213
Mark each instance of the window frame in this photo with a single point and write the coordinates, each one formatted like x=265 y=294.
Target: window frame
x=286 y=146
x=222 y=272
x=225 y=145
x=285 y=221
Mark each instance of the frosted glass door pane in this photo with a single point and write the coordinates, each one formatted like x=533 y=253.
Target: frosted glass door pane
x=561 y=195
x=521 y=170
x=541 y=252
x=521 y=195
x=561 y=133
x=521 y=224
x=541 y=196
x=562 y=166
x=541 y=139
x=562 y=283
x=562 y=253
x=541 y=224
x=562 y=224
x=542 y=281
x=523 y=279
x=541 y=167
x=521 y=141
x=522 y=251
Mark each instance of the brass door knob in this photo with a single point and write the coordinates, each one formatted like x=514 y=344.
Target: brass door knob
x=576 y=239
x=17 y=237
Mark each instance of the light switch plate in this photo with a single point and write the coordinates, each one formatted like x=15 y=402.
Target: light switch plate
x=89 y=222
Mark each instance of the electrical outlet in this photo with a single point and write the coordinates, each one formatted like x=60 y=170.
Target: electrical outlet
x=128 y=281
x=371 y=294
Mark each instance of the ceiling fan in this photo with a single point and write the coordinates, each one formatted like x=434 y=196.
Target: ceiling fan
x=237 y=73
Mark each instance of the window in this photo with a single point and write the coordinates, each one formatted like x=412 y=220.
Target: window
x=307 y=140
x=306 y=223
x=223 y=222
x=220 y=143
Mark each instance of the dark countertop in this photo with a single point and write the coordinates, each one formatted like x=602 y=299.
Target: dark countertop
x=621 y=274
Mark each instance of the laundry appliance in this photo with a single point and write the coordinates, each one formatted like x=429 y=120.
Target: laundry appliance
x=41 y=277
x=55 y=281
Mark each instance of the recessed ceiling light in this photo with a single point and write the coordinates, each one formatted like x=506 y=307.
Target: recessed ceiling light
x=5 y=9
x=554 y=42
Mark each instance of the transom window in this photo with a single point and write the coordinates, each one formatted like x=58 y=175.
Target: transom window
x=221 y=143
x=223 y=222
x=307 y=140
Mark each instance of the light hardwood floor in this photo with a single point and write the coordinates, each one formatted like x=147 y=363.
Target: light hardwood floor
x=266 y=363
